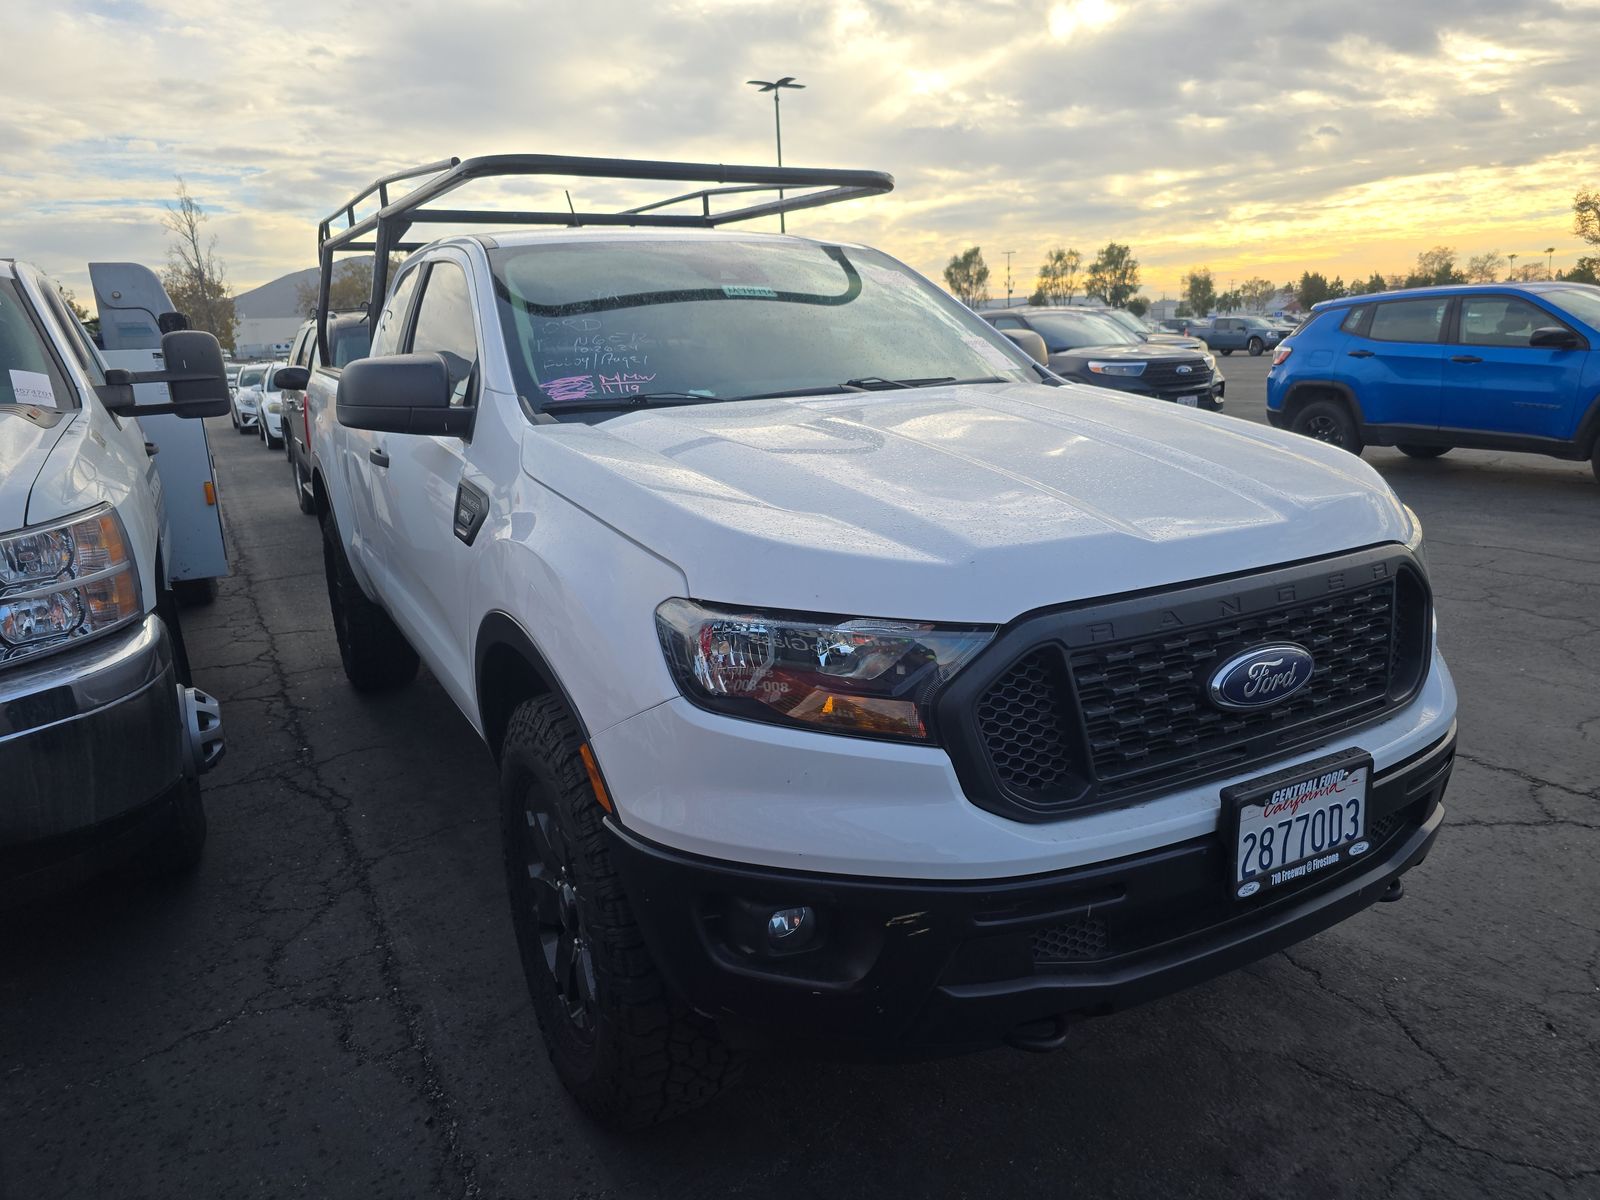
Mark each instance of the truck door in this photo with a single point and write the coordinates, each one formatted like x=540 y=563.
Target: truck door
x=430 y=566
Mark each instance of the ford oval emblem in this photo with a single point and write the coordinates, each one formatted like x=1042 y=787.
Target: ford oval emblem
x=1262 y=676
x=1185 y=370
x=1249 y=889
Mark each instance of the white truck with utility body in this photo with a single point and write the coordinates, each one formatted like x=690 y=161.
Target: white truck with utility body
x=854 y=683
x=102 y=738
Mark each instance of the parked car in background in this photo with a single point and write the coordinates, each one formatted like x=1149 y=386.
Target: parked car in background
x=1491 y=367
x=245 y=403
x=1137 y=327
x=349 y=339
x=1253 y=334
x=269 y=409
x=1086 y=347
x=102 y=736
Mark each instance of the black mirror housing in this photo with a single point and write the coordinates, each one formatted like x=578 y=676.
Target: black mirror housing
x=400 y=393
x=290 y=379
x=1553 y=337
x=1030 y=343
x=196 y=380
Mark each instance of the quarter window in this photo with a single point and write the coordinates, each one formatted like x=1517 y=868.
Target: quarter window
x=444 y=326
x=1408 y=321
x=1501 y=321
x=1352 y=322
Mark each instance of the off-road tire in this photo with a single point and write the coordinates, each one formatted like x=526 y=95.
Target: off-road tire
x=376 y=655
x=1329 y=421
x=177 y=848
x=308 y=504
x=1411 y=451
x=1255 y=346
x=627 y=1050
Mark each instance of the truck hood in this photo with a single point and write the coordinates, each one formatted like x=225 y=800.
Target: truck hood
x=960 y=503
x=27 y=435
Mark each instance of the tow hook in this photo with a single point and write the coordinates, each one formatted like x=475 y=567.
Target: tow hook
x=202 y=728
x=1040 y=1037
x=1395 y=891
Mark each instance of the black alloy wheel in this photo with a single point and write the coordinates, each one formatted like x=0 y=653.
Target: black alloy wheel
x=556 y=910
x=1329 y=421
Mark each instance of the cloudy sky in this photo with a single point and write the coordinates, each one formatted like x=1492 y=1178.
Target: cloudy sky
x=1255 y=138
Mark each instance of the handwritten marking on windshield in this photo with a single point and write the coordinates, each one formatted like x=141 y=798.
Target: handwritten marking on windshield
x=581 y=387
x=572 y=387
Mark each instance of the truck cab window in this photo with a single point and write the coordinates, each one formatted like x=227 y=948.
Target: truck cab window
x=444 y=326
x=392 y=323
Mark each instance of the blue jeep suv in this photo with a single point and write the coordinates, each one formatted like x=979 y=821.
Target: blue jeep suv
x=1489 y=367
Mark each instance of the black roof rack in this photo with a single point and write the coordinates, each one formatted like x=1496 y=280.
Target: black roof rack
x=385 y=230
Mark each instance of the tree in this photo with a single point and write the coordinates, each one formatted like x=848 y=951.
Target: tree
x=1256 y=292
x=1058 y=277
x=1199 y=291
x=194 y=278
x=1530 y=273
x=1114 y=275
x=1587 y=271
x=967 y=276
x=1182 y=310
x=70 y=299
x=1586 y=215
x=350 y=289
x=1230 y=301
x=1312 y=289
x=1337 y=288
x=1039 y=297
x=1138 y=306
x=1434 y=267
x=1375 y=285
x=1486 y=267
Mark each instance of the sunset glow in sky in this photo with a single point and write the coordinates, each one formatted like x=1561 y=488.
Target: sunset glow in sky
x=1257 y=139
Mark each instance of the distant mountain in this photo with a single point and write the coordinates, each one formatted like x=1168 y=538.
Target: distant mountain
x=275 y=299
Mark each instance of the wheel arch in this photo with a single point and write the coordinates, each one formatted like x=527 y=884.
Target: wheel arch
x=1587 y=435
x=508 y=669
x=1305 y=391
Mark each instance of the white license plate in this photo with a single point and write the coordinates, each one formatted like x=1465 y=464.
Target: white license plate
x=1294 y=825
x=1189 y=401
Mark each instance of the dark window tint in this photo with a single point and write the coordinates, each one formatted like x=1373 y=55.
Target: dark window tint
x=301 y=355
x=28 y=371
x=1008 y=323
x=390 y=323
x=350 y=342
x=1408 y=321
x=1501 y=321
x=444 y=325
x=1354 y=317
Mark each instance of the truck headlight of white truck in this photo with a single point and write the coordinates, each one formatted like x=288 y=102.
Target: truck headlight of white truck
x=64 y=581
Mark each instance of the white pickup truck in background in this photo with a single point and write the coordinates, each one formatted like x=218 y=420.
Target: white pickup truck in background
x=854 y=681
x=102 y=736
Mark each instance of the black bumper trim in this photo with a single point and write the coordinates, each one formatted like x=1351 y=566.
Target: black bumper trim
x=903 y=968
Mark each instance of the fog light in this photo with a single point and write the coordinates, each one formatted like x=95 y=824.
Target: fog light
x=791 y=928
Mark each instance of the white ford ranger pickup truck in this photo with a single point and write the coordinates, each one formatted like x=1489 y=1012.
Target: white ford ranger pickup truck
x=102 y=739
x=855 y=683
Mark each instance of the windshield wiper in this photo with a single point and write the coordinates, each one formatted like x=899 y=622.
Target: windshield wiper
x=640 y=400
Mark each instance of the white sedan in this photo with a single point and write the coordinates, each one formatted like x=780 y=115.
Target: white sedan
x=247 y=398
x=269 y=407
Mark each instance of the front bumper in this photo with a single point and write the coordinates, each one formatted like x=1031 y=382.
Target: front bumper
x=1207 y=396
x=92 y=741
x=910 y=968
x=273 y=421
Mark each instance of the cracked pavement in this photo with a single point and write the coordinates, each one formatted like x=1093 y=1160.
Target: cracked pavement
x=332 y=1005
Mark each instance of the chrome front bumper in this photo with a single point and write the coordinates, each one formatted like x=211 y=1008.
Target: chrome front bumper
x=88 y=734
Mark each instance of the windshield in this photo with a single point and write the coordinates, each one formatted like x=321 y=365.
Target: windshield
x=1125 y=320
x=1581 y=302
x=28 y=374
x=1073 y=331
x=719 y=320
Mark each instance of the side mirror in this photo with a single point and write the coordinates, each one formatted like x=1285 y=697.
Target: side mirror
x=400 y=393
x=1553 y=337
x=1030 y=343
x=290 y=379
x=197 y=382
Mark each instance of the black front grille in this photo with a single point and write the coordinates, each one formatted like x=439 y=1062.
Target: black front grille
x=1170 y=376
x=1106 y=703
x=1145 y=706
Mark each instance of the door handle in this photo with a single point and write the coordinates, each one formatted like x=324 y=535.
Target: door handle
x=377 y=458
x=151 y=449
x=1361 y=354
x=1468 y=358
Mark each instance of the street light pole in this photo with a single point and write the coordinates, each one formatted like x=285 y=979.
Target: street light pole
x=1008 y=254
x=775 y=86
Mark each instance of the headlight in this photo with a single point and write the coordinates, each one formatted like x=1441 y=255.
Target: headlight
x=1117 y=368
x=1414 y=542
x=867 y=677
x=65 y=581
x=1211 y=361
x=274 y=406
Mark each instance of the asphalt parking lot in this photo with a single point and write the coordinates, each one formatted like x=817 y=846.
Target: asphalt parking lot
x=332 y=1006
